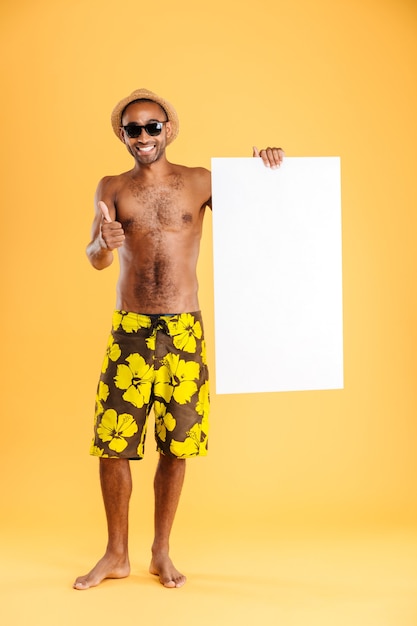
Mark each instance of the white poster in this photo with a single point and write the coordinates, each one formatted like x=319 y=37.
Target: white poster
x=277 y=275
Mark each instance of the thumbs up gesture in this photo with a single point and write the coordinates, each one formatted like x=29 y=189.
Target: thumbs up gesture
x=111 y=232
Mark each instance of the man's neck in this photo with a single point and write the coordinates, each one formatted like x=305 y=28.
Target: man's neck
x=148 y=171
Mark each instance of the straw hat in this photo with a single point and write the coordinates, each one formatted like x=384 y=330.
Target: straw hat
x=139 y=94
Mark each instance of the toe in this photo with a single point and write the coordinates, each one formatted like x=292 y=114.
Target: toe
x=79 y=584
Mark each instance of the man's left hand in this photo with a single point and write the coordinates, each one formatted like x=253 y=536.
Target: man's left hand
x=272 y=157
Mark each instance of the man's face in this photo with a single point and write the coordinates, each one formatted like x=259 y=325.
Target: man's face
x=145 y=149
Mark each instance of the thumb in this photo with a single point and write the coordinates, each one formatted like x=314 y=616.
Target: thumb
x=255 y=152
x=104 y=211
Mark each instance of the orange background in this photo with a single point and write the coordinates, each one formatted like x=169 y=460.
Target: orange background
x=319 y=78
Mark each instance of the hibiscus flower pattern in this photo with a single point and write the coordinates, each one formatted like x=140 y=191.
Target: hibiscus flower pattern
x=113 y=352
x=130 y=322
x=102 y=395
x=96 y=451
x=177 y=378
x=115 y=429
x=185 y=330
x=194 y=444
x=164 y=421
x=203 y=352
x=153 y=362
x=136 y=378
x=203 y=404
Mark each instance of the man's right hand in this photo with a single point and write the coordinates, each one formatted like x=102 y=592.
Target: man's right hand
x=111 y=232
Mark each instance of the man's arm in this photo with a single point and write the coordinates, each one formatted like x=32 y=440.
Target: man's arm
x=106 y=234
x=272 y=157
x=202 y=185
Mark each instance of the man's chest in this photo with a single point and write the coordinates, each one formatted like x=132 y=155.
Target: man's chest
x=157 y=208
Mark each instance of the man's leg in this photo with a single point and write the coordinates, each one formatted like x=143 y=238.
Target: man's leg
x=169 y=479
x=116 y=486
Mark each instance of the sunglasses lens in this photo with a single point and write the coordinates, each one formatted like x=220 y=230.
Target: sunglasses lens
x=153 y=128
x=133 y=130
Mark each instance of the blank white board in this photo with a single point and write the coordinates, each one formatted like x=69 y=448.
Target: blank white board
x=277 y=275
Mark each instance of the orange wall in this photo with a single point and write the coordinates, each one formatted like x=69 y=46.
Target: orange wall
x=329 y=77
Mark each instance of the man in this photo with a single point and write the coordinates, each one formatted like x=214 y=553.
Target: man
x=153 y=216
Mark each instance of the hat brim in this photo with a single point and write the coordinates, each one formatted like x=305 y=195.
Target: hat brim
x=145 y=94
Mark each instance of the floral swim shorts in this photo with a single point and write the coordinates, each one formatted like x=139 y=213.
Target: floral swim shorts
x=154 y=361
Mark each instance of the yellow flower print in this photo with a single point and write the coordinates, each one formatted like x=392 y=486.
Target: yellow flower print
x=115 y=428
x=151 y=341
x=163 y=421
x=136 y=378
x=176 y=378
x=203 y=404
x=203 y=352
x=202 y=408
x=192 y=446
x=184 y=332
x=130 y=322
x=204 y=428
x=141 y=446
x=102 y=391
x=96 y=451
x=113 y=352
x=102 y=395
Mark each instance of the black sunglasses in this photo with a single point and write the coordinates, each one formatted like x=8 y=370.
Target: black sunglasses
x=152 y=128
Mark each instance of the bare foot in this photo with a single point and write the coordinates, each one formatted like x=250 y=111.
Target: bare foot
x=108 y=567
x=169 y=576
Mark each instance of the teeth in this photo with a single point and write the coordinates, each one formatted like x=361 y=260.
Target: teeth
x=147 y=149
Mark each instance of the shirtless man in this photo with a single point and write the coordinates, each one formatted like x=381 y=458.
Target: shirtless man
x=153 y=216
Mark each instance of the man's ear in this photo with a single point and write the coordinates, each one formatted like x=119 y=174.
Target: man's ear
x=168 y=129
x=122 y=134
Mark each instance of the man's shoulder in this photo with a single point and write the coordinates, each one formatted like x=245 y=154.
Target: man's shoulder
x=115 y=178
x=113 y=181
x=189 y=169
x=194 y=173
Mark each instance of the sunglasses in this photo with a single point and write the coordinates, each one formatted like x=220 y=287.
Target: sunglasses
x=153 y=129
